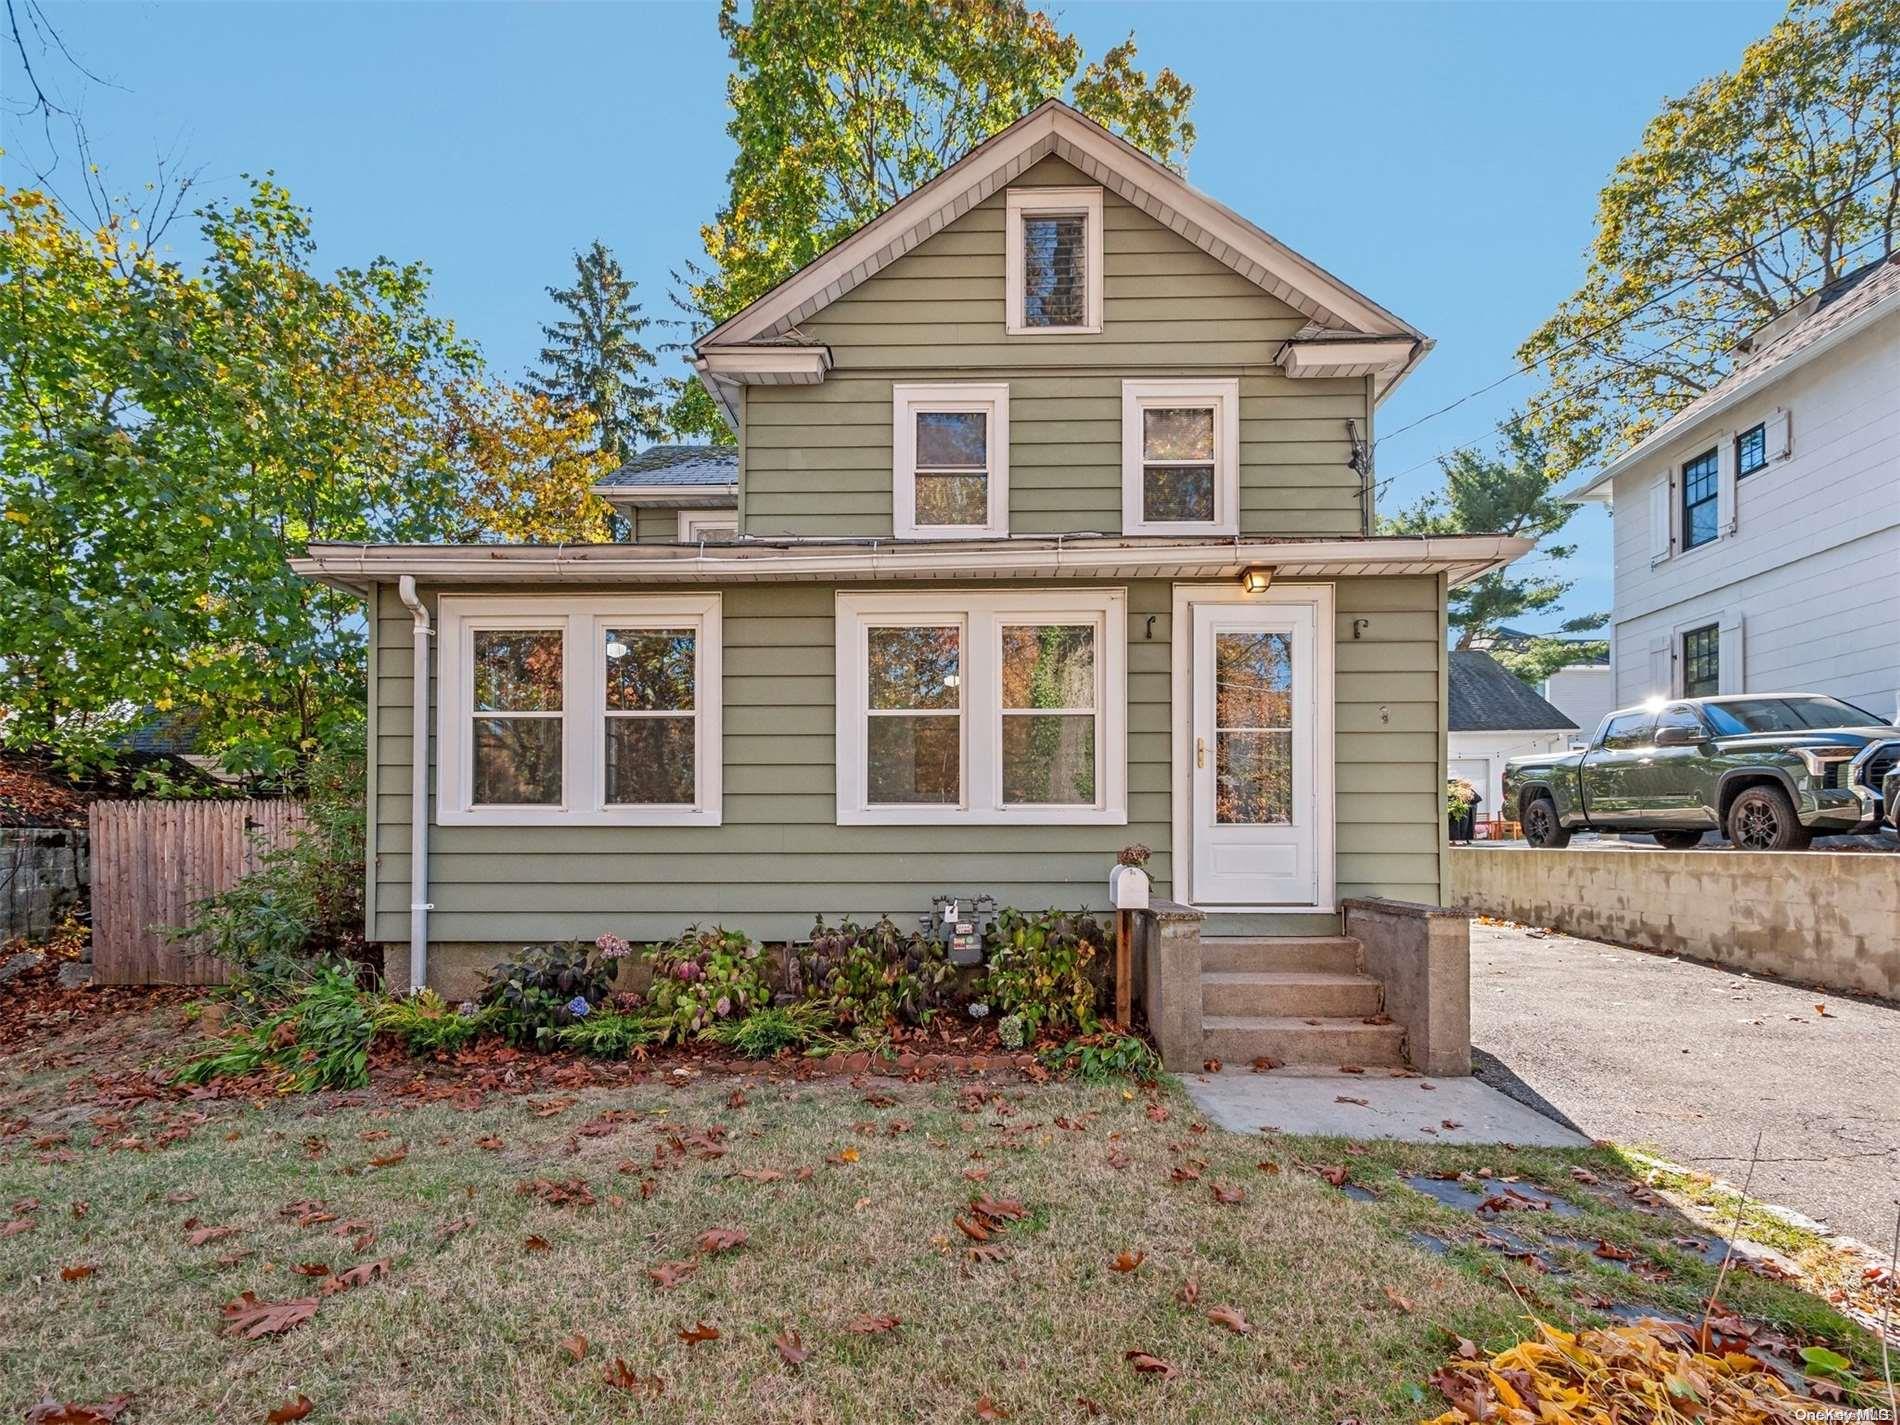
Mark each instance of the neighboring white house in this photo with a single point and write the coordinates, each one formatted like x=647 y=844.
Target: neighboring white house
x=1584 y=692
x=1758 y=530
x=1492 y=716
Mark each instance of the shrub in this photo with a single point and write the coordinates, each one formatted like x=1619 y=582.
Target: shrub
x=548 y=988
x=302 y=910
x=871 y=975
x=320 y=1041
x=1106 y=1056
x=705 y=976
x=610 y=1034
x=425 y=1023
x=1043 y=968
x=764 y=1032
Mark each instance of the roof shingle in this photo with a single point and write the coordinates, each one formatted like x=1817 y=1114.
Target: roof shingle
x=1484 y=696
x=679 y=465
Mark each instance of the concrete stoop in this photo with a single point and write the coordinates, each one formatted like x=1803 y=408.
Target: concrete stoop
x=1293 y=1000
x=1392 y=991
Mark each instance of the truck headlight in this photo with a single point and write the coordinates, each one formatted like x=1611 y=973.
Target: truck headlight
x=1819 y=759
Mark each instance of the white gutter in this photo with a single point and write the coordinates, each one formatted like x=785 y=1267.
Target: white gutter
x=419 y=906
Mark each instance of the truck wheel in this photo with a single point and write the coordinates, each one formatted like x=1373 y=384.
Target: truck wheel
x=1541 y=827
x=1763 y=819
x=1677 y=840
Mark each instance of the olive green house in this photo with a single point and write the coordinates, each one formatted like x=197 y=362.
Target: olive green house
x=1047 y=532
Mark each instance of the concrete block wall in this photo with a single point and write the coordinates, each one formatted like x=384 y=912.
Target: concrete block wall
x=45 y=874
x=1826 y=918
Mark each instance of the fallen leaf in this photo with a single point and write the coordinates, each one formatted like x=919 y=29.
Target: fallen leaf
x=1265 y=1064
x=715 y=1240
x=53 y=1412
x=790 y=1347
x=79 y=1271
x=290 y=1410
x=250 y=1318
x=975 y=1231
x=1610 y=1252
x=535 y=1243
x=1231 y=1318
x=698 y=1332
x=362 y=1274
x=737 y=1099
x=1392 y=1295
x=198 y=1236
x=1584 y=1175
x=311 y=1269
x=1150 y=1365
x=872 y=1325
x=1211 y=1066
x=759 y=1175
x=1128 y=1261
x=1267 y=1166
x=621 y=1376
x=489 y=1143
x=1227 y=1194
x=670 y=1274
x=987 y=1409
x=1348 y=1098
x=575 y=1346
x=1190 y=1292
x=389 y=1160
x=1821 y=1009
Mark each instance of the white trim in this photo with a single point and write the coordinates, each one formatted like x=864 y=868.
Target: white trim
x=690 y=522
x=1460 y=557
x=1325 y=836
x=583 y=771
x=1020 y=203
x=628 y=493
x=784 y=365
x=982 y=616
x=1301 y=359
x=1055 y=128
x=992 y=399
x=1224 y=397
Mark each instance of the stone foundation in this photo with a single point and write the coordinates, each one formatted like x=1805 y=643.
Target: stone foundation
x=45 y=875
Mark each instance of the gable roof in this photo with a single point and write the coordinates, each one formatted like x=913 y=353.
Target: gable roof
x=1485 y=696
x=677 y=465
x=1815 y=324
x=1332 y=308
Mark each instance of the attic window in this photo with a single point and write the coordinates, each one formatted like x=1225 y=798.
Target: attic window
x=1054 y=263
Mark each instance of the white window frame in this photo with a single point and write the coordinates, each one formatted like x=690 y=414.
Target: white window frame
x=1223 y=396
x=1020 y=203
x=691 y=522
x=907 y=401
x=584 y=706
x=983 y=617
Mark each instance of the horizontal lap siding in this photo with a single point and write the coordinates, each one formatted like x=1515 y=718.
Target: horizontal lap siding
x=818 y=458
x=779 y=859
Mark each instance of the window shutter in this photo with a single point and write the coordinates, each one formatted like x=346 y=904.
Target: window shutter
x=1778 y=432
x=1662 y=677
x=1659 y=500
x=1730 y=673
x=1725 y=501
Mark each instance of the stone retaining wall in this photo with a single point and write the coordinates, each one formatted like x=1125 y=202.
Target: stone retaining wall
x=1818 y=917
x=45 y=873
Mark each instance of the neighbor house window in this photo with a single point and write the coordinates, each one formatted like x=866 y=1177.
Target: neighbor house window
x=1701 y=484
x=982 y=708
x=1053 y=268
x=951 y=465
x=716 y=525
x=1751 y=450
x=1180 y=457
x=592 y=711
x=1702 y=662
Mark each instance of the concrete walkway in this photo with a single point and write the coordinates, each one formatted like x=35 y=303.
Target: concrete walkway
x=1415 y=1109
x=1691 y=1061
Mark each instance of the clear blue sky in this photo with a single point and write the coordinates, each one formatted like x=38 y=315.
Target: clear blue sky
x=1449 y=167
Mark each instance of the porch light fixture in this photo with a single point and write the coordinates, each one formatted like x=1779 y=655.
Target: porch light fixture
x=1257 y=579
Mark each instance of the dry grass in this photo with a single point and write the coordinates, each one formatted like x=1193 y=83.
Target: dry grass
x=469 y=1328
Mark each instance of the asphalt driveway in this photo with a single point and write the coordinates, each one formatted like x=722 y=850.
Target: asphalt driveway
x=1691 y=1062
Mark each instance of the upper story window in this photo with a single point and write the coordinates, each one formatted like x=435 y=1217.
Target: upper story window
x=1180 y=457
x=1751 y=450
x=1053 y=263
x=579 y=712
x=951 y=472
x=1701 y=498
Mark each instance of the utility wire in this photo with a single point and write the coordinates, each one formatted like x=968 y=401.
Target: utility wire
x=1662 y=296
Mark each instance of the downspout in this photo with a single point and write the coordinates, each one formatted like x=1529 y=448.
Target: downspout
x=419 y=906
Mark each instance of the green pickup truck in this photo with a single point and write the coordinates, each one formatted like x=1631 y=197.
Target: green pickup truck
x=1769 y=771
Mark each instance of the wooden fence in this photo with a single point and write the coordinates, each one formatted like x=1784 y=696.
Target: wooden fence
x=151 y=860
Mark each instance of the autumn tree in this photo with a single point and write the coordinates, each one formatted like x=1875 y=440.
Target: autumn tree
x=1508 y=491
x=842 y=107
x=594 y=357
x=528 y=467
x=1748 y=192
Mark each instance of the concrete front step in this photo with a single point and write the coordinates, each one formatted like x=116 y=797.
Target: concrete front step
x=1324 y=954
x=1296 y=993
x=1289 y=1039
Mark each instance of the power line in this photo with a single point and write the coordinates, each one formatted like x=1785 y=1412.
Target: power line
x=1662 y=296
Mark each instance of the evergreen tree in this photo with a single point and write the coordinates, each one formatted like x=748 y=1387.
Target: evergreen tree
x=594 y=357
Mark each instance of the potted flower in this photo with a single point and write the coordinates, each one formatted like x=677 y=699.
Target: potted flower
x=1128 y=882
x=1461 y=806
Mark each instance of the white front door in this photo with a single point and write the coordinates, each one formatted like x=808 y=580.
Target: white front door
x=1261 y=802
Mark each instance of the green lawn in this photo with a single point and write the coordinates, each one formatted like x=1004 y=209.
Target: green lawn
x=848 y=1196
